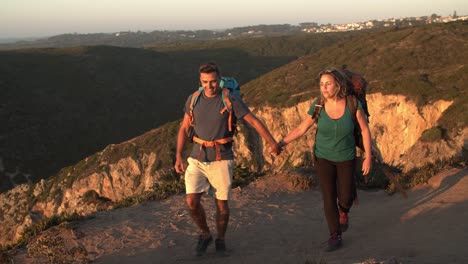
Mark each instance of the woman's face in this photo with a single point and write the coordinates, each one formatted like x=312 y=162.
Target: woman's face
x=328 y=86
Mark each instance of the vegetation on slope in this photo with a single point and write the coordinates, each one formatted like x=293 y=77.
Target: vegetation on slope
x=426 y=63
x=418 y=62
x=61 y=105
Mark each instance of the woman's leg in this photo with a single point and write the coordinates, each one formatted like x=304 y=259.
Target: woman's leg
x=346 y=184
x=326 y=171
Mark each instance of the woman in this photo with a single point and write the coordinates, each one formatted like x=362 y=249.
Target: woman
x=335 y=151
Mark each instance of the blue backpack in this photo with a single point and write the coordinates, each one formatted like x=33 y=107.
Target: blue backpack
x=231 y=84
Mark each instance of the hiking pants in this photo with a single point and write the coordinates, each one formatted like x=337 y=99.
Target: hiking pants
x=338 y=189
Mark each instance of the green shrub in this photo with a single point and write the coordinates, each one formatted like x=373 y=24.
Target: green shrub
x=433 y=134
x=169 y=183
x=422 y=175
x=376 y=178
x=242 y=176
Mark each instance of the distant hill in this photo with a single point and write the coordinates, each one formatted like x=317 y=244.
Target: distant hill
x=142 y=39
x=61 y=105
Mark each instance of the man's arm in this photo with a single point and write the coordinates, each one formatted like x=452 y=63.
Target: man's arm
x=263 y=131
x=182 y=137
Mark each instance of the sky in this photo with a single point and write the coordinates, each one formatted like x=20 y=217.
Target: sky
x=40 y=18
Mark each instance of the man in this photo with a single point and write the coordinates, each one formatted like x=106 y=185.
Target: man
x=211 y=162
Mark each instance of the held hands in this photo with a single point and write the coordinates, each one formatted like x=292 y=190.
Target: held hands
x=277 y=148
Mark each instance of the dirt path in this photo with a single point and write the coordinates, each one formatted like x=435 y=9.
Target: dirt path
x=271 y=223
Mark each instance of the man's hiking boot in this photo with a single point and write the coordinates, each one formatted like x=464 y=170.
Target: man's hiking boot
x=344 y=221
x=203 y=244
x=334 y=242
x=220 y=246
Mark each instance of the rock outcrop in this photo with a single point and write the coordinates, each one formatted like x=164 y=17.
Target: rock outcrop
x=396 y=127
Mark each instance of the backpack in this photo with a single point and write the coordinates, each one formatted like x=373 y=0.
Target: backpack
x=357 y=86
x=356 y=90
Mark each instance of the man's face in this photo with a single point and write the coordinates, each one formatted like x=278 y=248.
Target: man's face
x=210 y=83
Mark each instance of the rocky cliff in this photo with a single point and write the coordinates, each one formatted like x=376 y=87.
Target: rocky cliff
x=396 y=124
x=133 y=167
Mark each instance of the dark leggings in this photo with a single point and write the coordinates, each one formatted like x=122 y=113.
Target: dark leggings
x=338 y=185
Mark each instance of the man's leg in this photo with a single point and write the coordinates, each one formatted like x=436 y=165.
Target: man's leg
x=222 y=217
x=199 y=217
x=196 y=184
x=220 y=177
x=222 y=220
x=198 y=212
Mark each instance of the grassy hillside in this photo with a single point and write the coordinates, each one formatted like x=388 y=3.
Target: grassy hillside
x=58 y=106
x=294 y=46
x=425 y=63
x=61 y=105
x=296 y=82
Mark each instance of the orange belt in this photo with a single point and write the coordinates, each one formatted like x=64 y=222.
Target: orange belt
x=215 y=143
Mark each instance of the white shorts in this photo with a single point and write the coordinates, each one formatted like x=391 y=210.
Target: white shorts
x=213 y=177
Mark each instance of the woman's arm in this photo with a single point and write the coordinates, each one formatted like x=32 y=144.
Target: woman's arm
x=366 y=138
x=299 y=131
x=263 y=131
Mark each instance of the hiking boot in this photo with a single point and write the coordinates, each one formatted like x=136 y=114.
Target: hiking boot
x=220 y=246
x=334 y=242
x=203 y=244
x=344 y=221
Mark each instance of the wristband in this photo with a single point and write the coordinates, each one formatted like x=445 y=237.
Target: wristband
x=282 y=143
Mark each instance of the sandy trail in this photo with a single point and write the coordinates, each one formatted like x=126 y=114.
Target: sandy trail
x=272 y=223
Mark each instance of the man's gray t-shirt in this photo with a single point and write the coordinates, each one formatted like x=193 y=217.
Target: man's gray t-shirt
x=210 y=124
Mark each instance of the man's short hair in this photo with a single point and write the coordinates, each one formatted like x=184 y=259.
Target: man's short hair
x=209 y=68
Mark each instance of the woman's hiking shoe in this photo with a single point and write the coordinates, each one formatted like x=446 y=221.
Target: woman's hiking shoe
x=334 y=242
x=220 y=246
x=344 y=221
x=203 y=244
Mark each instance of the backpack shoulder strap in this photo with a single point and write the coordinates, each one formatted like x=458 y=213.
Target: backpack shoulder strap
x=318 y=108
x=352 y=103
x=225 y=93
x=193 y=101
